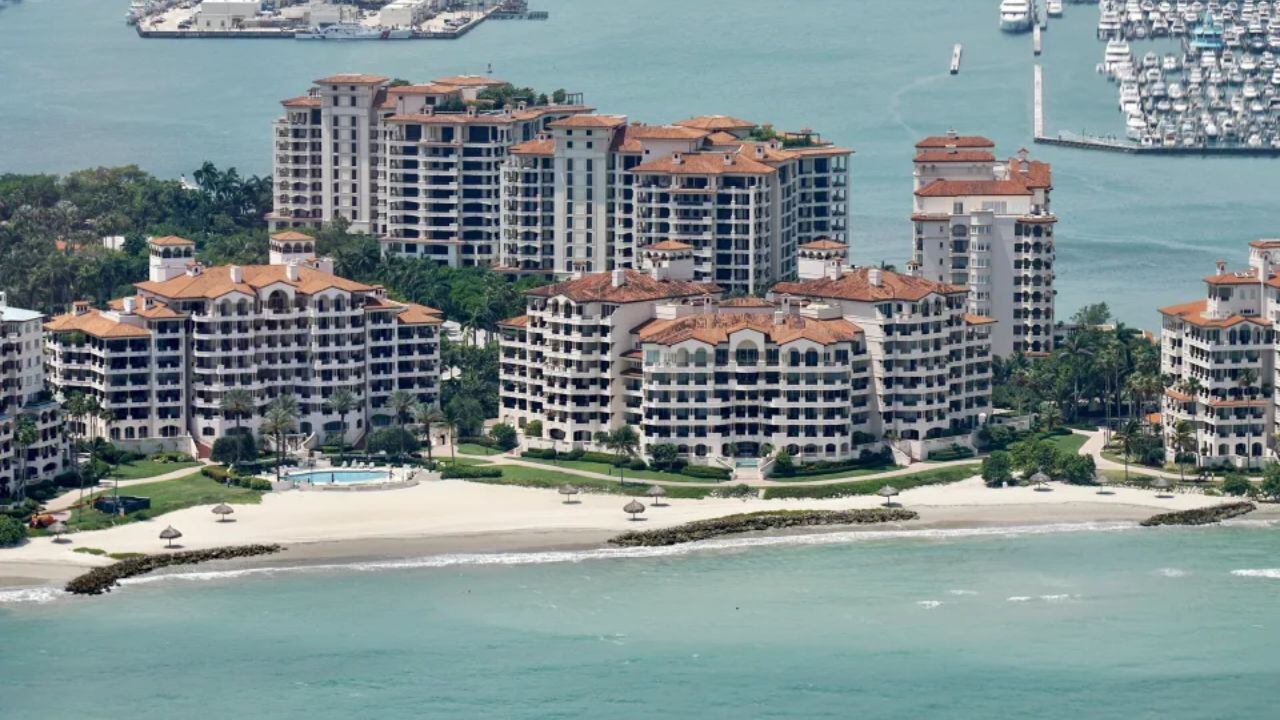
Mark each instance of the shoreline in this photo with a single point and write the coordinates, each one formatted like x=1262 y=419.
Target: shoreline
x=40 y=564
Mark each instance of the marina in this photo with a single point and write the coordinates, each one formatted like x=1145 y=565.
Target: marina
x=319 y=20
x=1205 y=81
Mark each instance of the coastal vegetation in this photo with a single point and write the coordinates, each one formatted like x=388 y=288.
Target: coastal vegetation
x=757 y=522
x=936 y=476
x=166 y=496
x=1201 y=516
x=11 y=531
x=1059 y=460
x=550 y=479
x=100 y=580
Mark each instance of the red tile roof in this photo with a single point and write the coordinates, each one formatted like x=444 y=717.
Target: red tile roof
x=856 y=285
x=96 y=324
x=537 y=146
x=665 y=132
x=716 y=327
x=956 y=188
x=1193 y=312
x=589 y=121
x=170 y=241
x=216 y=281
x=635 y=287
x=954 y=155
x=305 y=101
x=705 y=163
x=960 y=141
x=351 y=79
x=717 y=122
x=669 y=245
x=824 y=244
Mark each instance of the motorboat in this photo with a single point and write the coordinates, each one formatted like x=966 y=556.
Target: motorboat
x=1054 y=8
x=1015 y=15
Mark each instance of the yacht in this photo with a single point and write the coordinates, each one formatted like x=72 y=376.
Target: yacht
x=1015 y=15
x=350 y=31
x=1117 y=53
x=1054 y=8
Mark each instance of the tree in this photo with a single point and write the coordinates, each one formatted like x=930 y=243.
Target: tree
x=401 y=404
x=393 y=441
x=24 y=436
x=342 y=401
x=465 y=414
x=1127 y=435
x=427 y=416
x=234 y=448
x=1075 y=469
x=1236 y=484
x=1270 y=487
x=279 y=421
x=1183 y=441
x=504 y=435
x=667 y=456
x=996 y=469
x=533 y=428
x=237 y=403
x=623 y=442
x=12 y=533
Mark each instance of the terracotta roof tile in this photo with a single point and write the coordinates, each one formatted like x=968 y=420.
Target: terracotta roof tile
x=415 y=314
x=665 y=132
x=96 y=324
x=469 y=81
x=960 y=141
x=216 y=281
x=148 y=308
x=978 y=319
x=717 y=122
x=1193 y=312
x=856 y=285
x=291 y=236
x=537 y=146
x=590 y=121
x=955 y=188
x=668 y=245
x=351 y=79
x=954 y=155
x=716 y=327
x=824 y=244
x=705 y=163
x=170 y=241
x=305 y=101
x=517 y=321
x=635 y=287
x=1036 y=175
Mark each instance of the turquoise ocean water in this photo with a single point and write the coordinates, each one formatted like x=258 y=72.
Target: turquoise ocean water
x=79 y=88
x=1169 y=623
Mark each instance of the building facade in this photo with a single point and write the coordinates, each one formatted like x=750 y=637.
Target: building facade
x=987 y=225
x=825 y=368
x=161 y=361
x=593 y=191
x=24 y=398
x=1220 y=355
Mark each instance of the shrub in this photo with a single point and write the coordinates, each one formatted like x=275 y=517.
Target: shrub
x=234 y=448
x=483 y=440
x=1074 y=469
x=666 y=457
x=951 y=452
x=533 y=428
x=540 y=454
x=1270 y=487
x=637 y=464
x=392 y=440
x=709 y=472
x=68 y=479
x=465 y=472
x=996 y=469
x=1236 y=484
x=11 y=532
x=216 y=473
x=504 y=436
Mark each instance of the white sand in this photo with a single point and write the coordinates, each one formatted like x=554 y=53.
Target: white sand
x=471 y=514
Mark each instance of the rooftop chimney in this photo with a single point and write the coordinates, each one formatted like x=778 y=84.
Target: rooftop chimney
x=619 y=277
x=576 y=270
x=291 y=272
x=237 y=274
x=471 y=111
x=675 y=158
x=79 y=307
x=873 y=277
x=4 y=299
x=1222 y=267
x=759 y=152
x=129 y=305
x=728 y=159
x=951 y=133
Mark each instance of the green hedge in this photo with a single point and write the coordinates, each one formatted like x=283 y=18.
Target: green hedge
x=869 y=487
x=11 y=532
x=952 y=452
x=710 y=472
x=470 y=471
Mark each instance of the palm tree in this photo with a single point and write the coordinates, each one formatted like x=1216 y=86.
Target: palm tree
x=1128 y=435
x=401 y=403
x=236 y=403
x=623 y=442
x=277 y=422
x=342 y=401
x=1078 y=351
x=1245 y=380
x=428 y=415
x=24 y=436
x=1183 y=439
x=451 y=417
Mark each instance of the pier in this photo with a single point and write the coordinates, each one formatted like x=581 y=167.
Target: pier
x=1037 y=94
x=956 y=52
x=1036 y=40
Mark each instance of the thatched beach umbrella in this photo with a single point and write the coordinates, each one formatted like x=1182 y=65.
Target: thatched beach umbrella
x=1040 y=479
x=656 y=492
x=170 y=533
x=1162 y=486
x=222 y=510
x=635 y=507
x=1101 y=481
x=58 y=528
x=887 y=492
x=568 y=491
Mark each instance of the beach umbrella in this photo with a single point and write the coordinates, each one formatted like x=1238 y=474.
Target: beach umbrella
x=568 y=491
x=1162 y=486
x=58 y=528
x=657 y=492
x=887 y=492
x=222 y=510
x=1101 y=480
x=1040 y=479
x=635 y=507
x=170 y=533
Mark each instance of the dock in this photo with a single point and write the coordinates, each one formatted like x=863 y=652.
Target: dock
x=1036 y=42
x=1037 y=95
x=956 y=52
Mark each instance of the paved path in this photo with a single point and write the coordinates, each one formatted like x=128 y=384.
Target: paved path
x=1094 y=446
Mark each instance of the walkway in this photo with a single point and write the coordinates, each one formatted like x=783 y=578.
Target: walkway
x=1095 y=445
x=71 y=497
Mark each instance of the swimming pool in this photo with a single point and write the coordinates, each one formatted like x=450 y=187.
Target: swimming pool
x=340 y=477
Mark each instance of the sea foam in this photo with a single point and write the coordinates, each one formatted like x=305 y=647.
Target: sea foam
x=1272 y=573
x=31 y=595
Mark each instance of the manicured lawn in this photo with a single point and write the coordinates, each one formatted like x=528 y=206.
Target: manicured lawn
x=140 y=469
x=166 y=496
x=856 y=472
x=538 y=477
x=868 y=487
x=473 y=449
x=1070 y=443
x=612 y=471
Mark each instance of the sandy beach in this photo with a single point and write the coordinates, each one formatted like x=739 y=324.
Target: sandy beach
x=456 y=516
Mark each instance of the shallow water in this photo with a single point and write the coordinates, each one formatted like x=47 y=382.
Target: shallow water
x=1170 y=623
x=81 y=89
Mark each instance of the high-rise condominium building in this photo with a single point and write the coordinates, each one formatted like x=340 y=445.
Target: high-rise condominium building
x=434 y=172
x=596 y=189
x=825 y=368
x=986 y=224
x=162 y=360
x=1220 y=353
x=24 y=401
x=415 y=165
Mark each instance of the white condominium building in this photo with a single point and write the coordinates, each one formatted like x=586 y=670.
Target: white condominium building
x=1220 y=353
x=823 y=370
x=23 y=395
x=594 y=190
x=986 y=225
x=162 y=360
x=416 y=165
